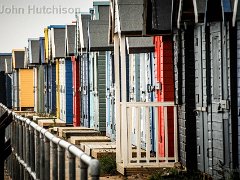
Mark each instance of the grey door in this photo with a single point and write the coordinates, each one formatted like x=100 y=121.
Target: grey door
x=219 y=56
x=203 y=118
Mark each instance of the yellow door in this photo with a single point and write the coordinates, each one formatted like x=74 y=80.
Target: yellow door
x=26 y=89
x=46 y=44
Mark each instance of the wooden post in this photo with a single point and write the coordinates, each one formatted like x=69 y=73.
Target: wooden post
x=117 y=99
x=124 y=129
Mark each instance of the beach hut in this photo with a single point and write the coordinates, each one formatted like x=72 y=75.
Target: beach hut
x=56 y=46
x=5 y=69
x=98 y=38
x=84 y=63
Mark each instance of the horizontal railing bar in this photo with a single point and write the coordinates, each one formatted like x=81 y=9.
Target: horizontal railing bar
x=148 y=104
x=33 y=174
x=93 y=164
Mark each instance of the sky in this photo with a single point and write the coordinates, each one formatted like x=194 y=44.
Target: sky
x=23 y=19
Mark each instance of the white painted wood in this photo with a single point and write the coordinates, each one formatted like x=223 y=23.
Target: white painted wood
x=117 y=99
x=148 y=136
x=156 y=133
x=96 y=95
x=165 y=132
x=179 y=14
x=175 y=135
x=195 y=11
x=35 y=89
x=234 y=13
x=129 y=139
x=138 y=132
x=124 y=123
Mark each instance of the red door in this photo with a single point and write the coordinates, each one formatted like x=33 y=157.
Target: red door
x=164 y=74
x=76 y=94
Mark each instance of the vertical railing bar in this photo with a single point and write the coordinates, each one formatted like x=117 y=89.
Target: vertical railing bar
x=17 y=135
x=24 y=142
x=42 y=158
x=156 y=109
x=166 y=132
x=47 y=157
x=175 y=135
x=138 y=131
x=37 y=155
x=61 y=163
x=21 y=140
x=71 y=166
x=129 y=121
x=148 y=141
x=54 y=160
x=27 y=144
x=83 y=170
x=32 y=149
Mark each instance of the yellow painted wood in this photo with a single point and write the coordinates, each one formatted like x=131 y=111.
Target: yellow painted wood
x=57 y=90
x=26 y=89
x=13 y=56
x=46 y=44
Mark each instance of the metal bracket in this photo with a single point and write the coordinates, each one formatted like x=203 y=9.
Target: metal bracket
x=225 y=104
x=158 y=86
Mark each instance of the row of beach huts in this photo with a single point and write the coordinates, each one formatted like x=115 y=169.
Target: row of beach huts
x=161 y=78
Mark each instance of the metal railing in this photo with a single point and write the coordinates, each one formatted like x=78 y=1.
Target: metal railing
x=148 y=135
x=38 y=154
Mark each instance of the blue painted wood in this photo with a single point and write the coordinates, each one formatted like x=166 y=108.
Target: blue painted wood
x=91 y=86
x=85 y=96
x=152 y=99
x=68 y=93
x=110 y=98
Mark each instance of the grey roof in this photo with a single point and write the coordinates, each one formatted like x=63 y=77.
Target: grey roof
x=85 y=18
x=8 y=57
x=18 y=58
x=103 y=13
x=99 y=36
x=140 y=45
x=59 y=41
x=70 y=39
x=33 y=51
x=158 y=17
x=99 y=31
x=131 y=16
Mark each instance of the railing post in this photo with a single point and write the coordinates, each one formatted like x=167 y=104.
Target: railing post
x=54 y=160
x=21 y=140
x=61 y=161
x=24 y=142
x=37 y=153
x=42 y=166
x=32 y=148
x=16 y=136
x=83 y=170
x=27 y=144
x=71 y=166
x=47 y=157
x=21 y=172
x=94 y=171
